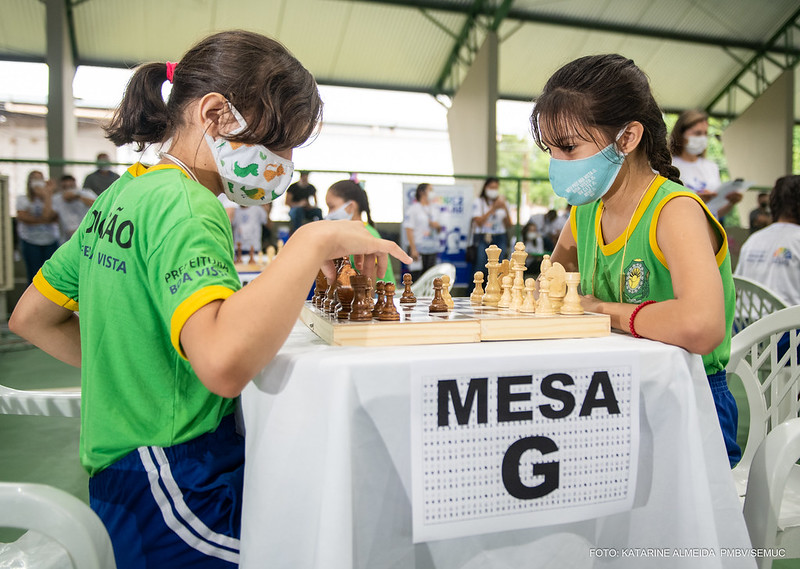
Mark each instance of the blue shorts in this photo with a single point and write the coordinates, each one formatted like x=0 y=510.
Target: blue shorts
x=728 y=414
x=177 y=506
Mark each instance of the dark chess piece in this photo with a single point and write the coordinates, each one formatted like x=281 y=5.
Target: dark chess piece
x=408 y=296
x=389 y=312
x=344 y=294
x=360 y=310
x=438 y=304
x=379 y=288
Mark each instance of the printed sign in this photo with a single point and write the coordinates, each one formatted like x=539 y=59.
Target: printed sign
x=528 y=445
x=454 y=207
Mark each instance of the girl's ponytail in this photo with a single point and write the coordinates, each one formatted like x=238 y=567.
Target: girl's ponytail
x=142 y=115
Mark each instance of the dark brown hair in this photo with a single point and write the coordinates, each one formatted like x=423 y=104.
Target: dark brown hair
x=686 y=120
x=784 y=200
x=277 y=96
x=486 y=182
x=603 y=93
x=421 y=189
x=348 y=190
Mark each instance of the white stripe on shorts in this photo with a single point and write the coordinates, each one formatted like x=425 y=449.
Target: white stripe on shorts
x=176 y=525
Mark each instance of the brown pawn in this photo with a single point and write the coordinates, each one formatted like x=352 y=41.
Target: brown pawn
x=360 y=310
x=379 y=288
x=328 y=304
x=320 y=287
x=389 y=312
x=370 y=292
x=345 y=296
x=408 y=296
x=438 y=304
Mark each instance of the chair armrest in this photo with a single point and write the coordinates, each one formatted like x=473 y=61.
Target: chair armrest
x=769 y=471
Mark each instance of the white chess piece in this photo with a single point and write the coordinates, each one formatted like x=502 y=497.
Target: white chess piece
x=505 y=298
x=529 y=304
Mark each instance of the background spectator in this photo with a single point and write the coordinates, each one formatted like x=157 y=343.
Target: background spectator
x=71 y=205
x=99 y=180
x=36 y=223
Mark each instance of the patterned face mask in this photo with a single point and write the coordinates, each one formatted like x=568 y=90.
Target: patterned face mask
x=251 y=174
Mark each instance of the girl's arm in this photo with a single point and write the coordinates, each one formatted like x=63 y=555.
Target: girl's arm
x=695 y=318
x=566 y=250
x=47 y=325
x=228 y=342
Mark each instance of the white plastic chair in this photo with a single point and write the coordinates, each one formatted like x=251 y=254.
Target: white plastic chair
x=64 y=402
x=423 y=286
x=772 y=384
x=61 y=517
x=753 y=301
x=772 y=502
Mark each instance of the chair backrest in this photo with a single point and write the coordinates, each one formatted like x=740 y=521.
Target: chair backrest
x=55 y=402
x=61 y=517
x=423 y=286
x=765 y=358
x=753 y=301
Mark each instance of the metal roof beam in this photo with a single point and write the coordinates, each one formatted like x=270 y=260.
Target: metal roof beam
x=529 y=16
x=755 y=65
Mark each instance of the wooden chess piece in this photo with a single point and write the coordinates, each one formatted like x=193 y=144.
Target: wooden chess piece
x=529 y=304
x=544 y=306
x=477 y=293
x=329 y=304
x=344 y=294
x=270 y=253
x=446 y=292
x=252 y=255
x=280 y=246
x=389 y=312
x=320 y=286
x=546 y=264
x=572 y=300
x=380 y=289
x=360 y=310
x=505 y=298
x=437 y=304
x=517 y=294
x=492 y=295
x=505 y=269
x=370 y=293
x=238 y=258
x=558 y=286
x=408 y=296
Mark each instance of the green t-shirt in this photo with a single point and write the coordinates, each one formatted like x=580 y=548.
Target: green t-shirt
x=614 y=272
x=154 y=248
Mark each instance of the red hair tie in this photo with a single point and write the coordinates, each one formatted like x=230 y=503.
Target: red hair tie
x=171 y=70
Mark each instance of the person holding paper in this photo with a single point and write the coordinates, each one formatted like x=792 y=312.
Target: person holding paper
x=687 y=144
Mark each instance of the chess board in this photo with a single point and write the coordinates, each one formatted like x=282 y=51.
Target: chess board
x=462 y=324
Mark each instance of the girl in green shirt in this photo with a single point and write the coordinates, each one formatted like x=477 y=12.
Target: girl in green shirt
x=650 y=254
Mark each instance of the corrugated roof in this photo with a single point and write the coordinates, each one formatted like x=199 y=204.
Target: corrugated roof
x=690 y=49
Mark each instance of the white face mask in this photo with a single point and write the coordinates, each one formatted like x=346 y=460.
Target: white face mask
x=339 y=213
x=37 y=184
x=695 y=145
x=532 y=236
x=492 y=194
x=251 y=173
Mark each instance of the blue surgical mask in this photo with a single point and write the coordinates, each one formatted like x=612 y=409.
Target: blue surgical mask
x=587 y=179
x=340 y=212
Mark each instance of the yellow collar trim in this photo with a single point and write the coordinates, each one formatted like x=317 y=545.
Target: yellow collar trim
x=617 y=244
x=140 y=169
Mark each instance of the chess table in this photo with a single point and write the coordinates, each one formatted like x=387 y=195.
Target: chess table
x=463 y=323
x=328 y=464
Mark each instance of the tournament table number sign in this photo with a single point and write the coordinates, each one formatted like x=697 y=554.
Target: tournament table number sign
x=522 y=442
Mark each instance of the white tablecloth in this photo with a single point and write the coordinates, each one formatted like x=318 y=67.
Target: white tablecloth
x=328 y=476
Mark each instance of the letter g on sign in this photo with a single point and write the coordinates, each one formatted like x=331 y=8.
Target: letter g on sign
x=510 y=469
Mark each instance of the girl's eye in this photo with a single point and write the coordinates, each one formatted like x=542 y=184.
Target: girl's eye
x=567 y=148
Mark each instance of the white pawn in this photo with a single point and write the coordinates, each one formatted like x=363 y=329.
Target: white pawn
x=516 y=293
x=544 y=306
x=505 y=299
x=446 y=292
x=529 y=304
x=477 y=293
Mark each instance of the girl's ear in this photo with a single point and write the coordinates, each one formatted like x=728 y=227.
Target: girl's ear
x=631 y=137
x=213 y=113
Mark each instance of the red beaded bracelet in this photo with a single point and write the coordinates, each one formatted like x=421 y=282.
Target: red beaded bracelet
x=633 y=316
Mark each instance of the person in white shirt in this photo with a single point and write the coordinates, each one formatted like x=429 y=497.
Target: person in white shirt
x=248 y=222
x=71 y=204
x=422 y=228
x=771 y=256
x=687 y=144
x=490 y=223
